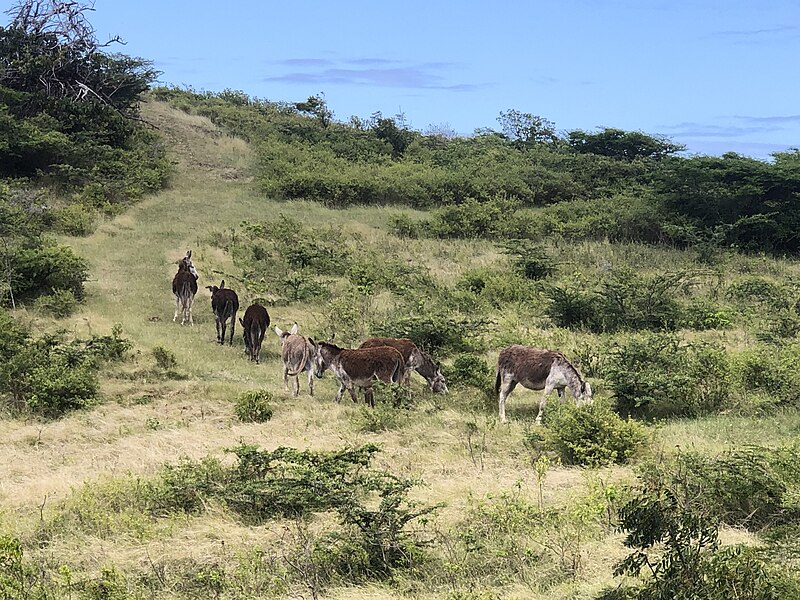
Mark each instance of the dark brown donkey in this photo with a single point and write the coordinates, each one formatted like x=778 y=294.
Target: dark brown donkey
x=360 y=367
x=184 y=286
x=224 y=303
x=416 y=359
x=254 y=325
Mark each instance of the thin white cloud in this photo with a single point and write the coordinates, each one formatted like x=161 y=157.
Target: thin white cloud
x=370 y=72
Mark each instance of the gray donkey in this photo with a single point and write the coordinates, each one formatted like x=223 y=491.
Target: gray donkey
x=297 y=352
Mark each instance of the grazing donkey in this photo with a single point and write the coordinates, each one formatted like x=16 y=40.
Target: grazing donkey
x=297 y=352
x=254 y=325
x=537 y=369
x=415 y=359
x=224 y=303
x=184 y=286
x=359 y=367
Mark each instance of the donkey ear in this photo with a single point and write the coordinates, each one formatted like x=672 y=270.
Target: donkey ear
x=222 y=285
x=333 y=337
x=189 y=254
x=312 y=342
x=293 y=330
x=278 y=331
x=241 y=322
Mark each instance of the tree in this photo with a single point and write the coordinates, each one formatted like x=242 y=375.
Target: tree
x=617 y=143
x=527 y=129
x=316 y=107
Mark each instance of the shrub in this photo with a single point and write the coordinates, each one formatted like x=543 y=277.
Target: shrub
x=705 y=314
x=495 y=218
x=471 y=370
x=592 y=435
x=37 y=271
x=50 y=376
x=434 y=329
x=529 y=259
x=672 y=525
x=772 y=370
x=655 y=375
x=165 y=359
x=401 y=225
x=254 y=406
x=60 y=303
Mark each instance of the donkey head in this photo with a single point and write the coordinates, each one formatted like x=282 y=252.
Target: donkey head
x=586 y=393
x=324 y=352
x=438 y=384
x=186 y=264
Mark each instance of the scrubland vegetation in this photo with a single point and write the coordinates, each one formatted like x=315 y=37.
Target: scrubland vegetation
x=142 y=460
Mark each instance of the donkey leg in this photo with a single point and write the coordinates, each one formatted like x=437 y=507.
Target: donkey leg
x=507 y=387
x=177 y=305
x=340 y=393
x=191 y=303
x=217 y=323
x=311 y=382
x=285 y=378
x=233 y=328
x=352 y=389
x=296 y=386
x=542 y=403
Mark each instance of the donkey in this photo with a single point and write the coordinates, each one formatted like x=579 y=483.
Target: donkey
x=538 y=369
x=359 y=367
x=184 y=286
x=224 y=304
x=415 y=359
x=254 y=325
x=297 y=352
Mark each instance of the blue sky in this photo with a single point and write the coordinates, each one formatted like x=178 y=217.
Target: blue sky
x=715 y=75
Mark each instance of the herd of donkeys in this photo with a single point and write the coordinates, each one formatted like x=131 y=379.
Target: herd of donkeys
x=390 y=360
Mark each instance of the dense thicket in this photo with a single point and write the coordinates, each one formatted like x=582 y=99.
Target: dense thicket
x=71 y=143
x=608 y=184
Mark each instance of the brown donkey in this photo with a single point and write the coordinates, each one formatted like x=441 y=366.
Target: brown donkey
x=537 y=369
x=416 y=359
x=360 y=367
x=254 y=326
x=184 y=286
x=297 y=352
x=224 y=304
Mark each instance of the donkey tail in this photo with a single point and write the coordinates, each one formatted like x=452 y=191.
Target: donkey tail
x=497 y=382
x=303 y=364
x=397 y=374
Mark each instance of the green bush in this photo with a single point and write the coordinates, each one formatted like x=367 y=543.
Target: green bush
x=772 y=370
x=434 y=329
x=471 y=370
x=530 y=260
x=401 y=225
x=60 y=304
x=253 y=406
x=592 y=435
x=42 y=270
x=672 y=526
x=493 y=218
x=655 y=375
x=165 y=359
x=50 y=376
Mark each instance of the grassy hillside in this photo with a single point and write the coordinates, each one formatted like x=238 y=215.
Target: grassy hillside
x=509 y=525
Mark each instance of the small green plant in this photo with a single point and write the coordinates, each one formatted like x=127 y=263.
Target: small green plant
x=254 y=406
x=165 y=359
